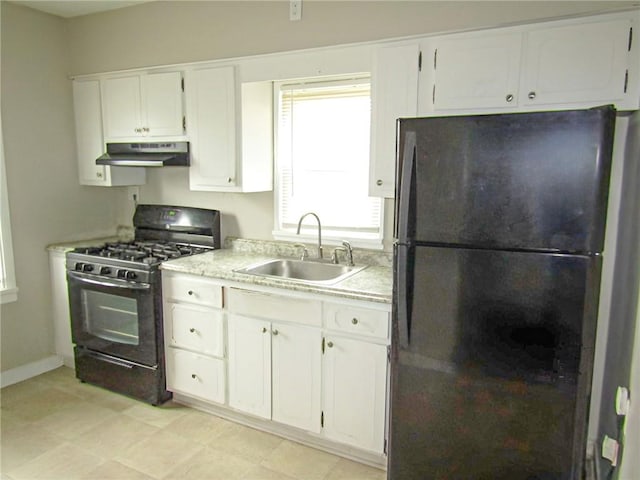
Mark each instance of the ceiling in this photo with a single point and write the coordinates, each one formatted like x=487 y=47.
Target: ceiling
x=75 y=8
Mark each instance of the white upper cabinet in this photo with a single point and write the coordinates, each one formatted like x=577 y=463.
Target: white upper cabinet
x=576 y=63
x=476 y=71
x=90 y=144
x=561 y=65
x=394 y=94
x=143 y=105
x=231 y=131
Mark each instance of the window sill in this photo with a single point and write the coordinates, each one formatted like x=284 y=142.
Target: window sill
x=8 y=295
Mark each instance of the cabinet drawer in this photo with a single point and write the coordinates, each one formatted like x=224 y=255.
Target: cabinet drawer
x=274 y=307
x=196 y=375
x=196 y=328
x=359 y=321
x=187 y=288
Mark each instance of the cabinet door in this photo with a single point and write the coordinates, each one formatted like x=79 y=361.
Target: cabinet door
x=477 y=71
x=211 y=104
x=354 y=392
x=88 y=118
x=195 y=328
x=576 y=63
x=394 y=95
x=121 y=102
x=162 y=110
x=296 y=358
x=250 y=365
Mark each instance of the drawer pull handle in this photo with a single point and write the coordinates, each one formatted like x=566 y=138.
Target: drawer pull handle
x=264 y=329
x=194 y=376
x=275 y=332
x=354 y=321
x=192 y=330
x=190 y=292
x=330 y=344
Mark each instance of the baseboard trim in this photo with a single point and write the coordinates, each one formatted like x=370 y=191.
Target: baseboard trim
x=33 y=369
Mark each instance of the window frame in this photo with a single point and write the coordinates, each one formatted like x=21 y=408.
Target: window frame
x=309 y=231
x=8 y=286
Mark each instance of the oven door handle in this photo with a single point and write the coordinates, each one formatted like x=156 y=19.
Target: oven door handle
x=114 y=360
x=110 y=284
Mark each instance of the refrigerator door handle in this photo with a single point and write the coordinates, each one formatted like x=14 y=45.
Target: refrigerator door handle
x=406 y=202
x=402 y=307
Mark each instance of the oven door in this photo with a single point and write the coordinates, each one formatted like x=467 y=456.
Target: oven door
x=114 y=317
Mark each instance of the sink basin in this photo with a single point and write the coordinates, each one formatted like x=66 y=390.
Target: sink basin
x=302 y=271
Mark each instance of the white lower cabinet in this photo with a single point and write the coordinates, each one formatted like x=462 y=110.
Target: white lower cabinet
x=354 y=381
x=194 y=337
x=294 y=363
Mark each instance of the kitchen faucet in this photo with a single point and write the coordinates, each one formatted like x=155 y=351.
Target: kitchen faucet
x=319 y=231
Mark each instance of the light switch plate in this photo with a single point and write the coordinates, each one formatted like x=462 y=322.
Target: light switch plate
x=295 y=10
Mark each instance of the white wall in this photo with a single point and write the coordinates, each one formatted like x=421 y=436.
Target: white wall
x=47 y=203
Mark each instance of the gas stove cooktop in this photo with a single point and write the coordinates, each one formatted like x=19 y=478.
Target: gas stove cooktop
x=147 y=252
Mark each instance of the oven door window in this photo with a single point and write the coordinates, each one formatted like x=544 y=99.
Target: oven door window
x=111 y=317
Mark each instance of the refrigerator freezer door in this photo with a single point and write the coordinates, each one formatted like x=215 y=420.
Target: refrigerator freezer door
x=532 y=181
x=494 y=381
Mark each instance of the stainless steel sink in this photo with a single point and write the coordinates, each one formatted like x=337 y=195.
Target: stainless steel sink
x=305 y=271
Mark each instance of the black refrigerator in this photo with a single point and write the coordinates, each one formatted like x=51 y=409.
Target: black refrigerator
x=499 y=226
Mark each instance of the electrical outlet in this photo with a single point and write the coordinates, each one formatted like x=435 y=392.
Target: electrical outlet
x=133 y=194
x=295 y=9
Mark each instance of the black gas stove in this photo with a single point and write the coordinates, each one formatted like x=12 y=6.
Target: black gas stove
x=115 y=298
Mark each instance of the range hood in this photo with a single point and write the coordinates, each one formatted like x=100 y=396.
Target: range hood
x=157 y=154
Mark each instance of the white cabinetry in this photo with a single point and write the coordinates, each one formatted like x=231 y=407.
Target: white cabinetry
x=194 y=337
x=354 y=375
x=60 y=303
x=576 y=63
x=90 y=144
x=143 y=105
x=394 y=95
x=561 y=65
x=476 y=71
x=274 y=357
x=231 y=131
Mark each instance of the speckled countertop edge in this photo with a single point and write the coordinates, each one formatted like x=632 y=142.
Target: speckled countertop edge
x=122 y=234
x=373 y=284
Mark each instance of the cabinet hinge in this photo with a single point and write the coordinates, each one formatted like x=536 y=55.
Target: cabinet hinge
x=388 y=353
x=384 y=449
x=184 y=123
x=626 y=80
x=433 y=94
x=182 y=84
x=322 y=419
x=435 y=58
x=630 y=38
x=322 y=344
x=420 y=61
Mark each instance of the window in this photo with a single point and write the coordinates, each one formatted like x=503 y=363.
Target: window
x=8 y=290
x=322 y=161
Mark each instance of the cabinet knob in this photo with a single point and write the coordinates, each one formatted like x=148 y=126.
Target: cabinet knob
x=190 y=292
x=99 y=174
x=509 y=98
x=275 y=332
x=354 y=321
x=229 y=179
x=330 y=344
x=192 y=330
x=531 y=95
x=137 y=130
x=264 y=329
x=145 y=129
x=194 y=376
x=379 y=183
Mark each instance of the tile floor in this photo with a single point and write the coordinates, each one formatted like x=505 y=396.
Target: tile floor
x=53 y=427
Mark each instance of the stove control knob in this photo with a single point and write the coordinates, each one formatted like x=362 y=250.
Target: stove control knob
x=87 y=268
x=105 y=270
x=122 y=273
x=78 y=266
x=132 y=275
